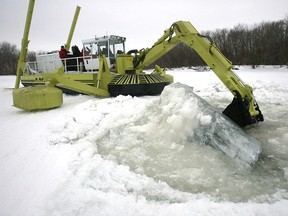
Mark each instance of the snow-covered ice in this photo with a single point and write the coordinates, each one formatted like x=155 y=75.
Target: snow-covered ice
x=131 y=156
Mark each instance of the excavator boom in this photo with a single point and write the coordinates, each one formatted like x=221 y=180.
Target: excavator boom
x=244 y=109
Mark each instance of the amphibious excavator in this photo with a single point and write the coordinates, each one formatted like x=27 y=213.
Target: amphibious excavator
x=104 y=69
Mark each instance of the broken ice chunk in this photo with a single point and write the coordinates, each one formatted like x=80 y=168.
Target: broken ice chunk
x=220 y=132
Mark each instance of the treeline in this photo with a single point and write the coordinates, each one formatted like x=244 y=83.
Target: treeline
x=9 y=55
x=262 y=44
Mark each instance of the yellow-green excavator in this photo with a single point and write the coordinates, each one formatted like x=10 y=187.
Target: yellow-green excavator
x=104 y=69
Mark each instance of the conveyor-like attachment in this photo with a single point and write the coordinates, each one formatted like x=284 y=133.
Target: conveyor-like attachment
x=137 y=85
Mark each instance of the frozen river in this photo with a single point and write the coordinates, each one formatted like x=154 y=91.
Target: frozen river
x=137 y=156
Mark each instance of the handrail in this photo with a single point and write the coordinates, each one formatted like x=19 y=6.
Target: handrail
x=33 y=67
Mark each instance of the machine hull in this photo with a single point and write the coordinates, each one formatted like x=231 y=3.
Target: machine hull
x=134 y=85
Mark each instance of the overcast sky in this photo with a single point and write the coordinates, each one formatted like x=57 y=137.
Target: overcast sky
x=142 y=22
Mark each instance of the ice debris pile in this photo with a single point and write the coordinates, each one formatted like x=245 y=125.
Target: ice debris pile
x=177 y=115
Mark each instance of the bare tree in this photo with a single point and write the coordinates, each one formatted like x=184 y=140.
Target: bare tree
x=8 y=58
x=9 y=55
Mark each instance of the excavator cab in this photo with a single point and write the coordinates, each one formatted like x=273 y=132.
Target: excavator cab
x=109 y=46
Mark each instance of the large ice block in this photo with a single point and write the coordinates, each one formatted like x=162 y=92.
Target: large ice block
x=220 y=132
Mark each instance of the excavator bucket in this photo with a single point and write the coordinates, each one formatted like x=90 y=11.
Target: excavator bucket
x=238 y=111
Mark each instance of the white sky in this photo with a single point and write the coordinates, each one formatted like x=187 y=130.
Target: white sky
x=142 y=22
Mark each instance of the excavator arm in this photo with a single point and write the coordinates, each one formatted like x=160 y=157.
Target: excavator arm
x=244 y=109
